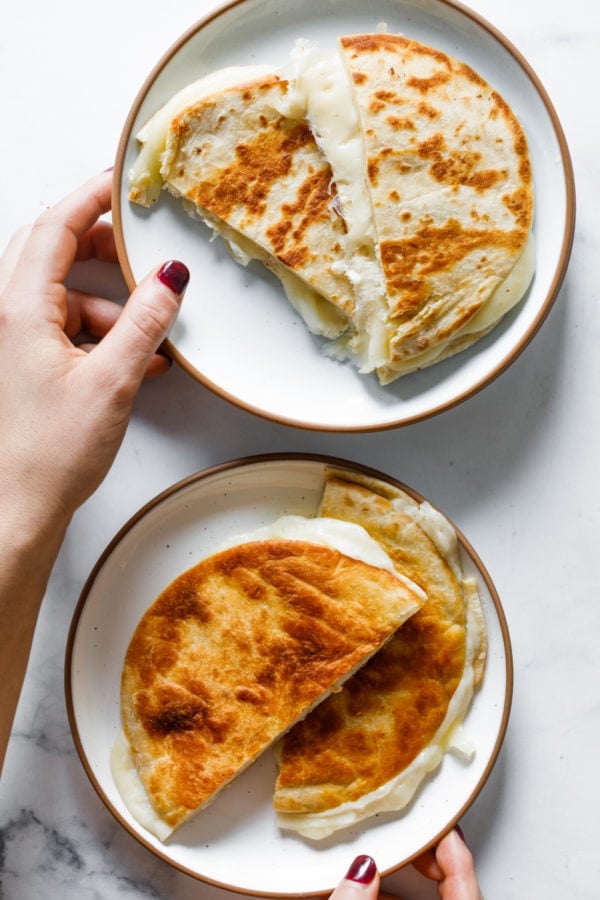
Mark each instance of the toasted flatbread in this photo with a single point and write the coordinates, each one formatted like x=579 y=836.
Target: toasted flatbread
x=450 y=181
x=258 y=179
x=367 y=748
x=235 y=651
x=386 y=184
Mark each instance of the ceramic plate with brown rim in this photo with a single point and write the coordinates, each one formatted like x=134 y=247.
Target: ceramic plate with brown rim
x=237 y=334
x=176 y=529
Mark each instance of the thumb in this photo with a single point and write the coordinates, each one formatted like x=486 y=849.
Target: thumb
x=459 y=881
x=144 y=322
x=361 y=881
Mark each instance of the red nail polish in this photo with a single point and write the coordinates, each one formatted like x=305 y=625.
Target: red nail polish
x=362 y=870
x=174 y=275
x=459 y=832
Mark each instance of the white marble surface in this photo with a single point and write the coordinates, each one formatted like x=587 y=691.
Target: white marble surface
x=515 y=467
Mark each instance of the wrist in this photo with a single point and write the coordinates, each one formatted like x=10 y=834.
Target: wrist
x=32 y=526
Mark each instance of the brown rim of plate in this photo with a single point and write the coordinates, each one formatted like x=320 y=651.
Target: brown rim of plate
x=267 y=459
x=555 y=286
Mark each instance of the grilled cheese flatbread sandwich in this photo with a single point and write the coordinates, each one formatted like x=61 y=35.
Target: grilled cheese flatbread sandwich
x=367 y=748
x=233 y=653
x=386 y=184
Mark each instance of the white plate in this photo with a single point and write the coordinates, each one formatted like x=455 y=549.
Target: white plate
x=230 y=841
x=236 y=333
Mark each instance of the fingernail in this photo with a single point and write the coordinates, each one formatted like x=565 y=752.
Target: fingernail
x=459 y=832
x=162 y=352
x=110 y=169
x=362 y=870
x=174 y=275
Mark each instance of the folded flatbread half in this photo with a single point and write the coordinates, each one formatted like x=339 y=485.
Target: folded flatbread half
x=258 y=179
x=367 y=749
x=231 y=655
x=434 y=181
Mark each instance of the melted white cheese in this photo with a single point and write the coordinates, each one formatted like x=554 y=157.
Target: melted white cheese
x=320 y=316
x=132 y=791
x=345 y=537
x=320 y=90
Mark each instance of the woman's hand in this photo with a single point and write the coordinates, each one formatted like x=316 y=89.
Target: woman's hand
x=64 y=409
x=450 y=864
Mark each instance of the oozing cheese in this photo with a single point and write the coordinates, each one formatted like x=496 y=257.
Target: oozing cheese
x=130 y=787
x=345 y=537
x=320 y=90
x=320 y=316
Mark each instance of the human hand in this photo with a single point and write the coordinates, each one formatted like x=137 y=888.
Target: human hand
x=64 y=408
x=450 y=864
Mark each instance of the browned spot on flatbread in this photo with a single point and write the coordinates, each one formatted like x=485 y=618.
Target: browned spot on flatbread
x=373 y=43
x=519 y=205
x=427 y=110
x=294 y=258
x=173 y=709
x=470 y=74
x=432 y=83
x=373 y=170
x=401 y=123
x=312 y=204
x=376 y=106
x=389 y=96
x=457 y=166
x=259 y=164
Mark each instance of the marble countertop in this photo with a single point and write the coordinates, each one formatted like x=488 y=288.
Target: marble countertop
x=515 y=466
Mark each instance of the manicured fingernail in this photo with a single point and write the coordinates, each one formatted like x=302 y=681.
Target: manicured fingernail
x=459 y=832
x=162 y=352
x=362 y=870
x=174 y=275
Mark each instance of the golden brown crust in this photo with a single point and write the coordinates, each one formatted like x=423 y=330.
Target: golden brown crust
x=450 y=178
x=237 y=159
x=235 y=650
x=362 y=737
